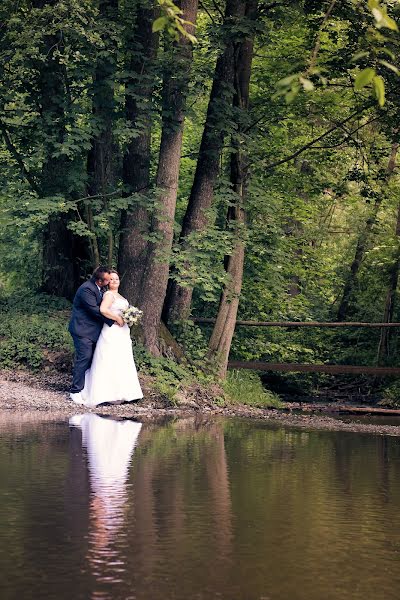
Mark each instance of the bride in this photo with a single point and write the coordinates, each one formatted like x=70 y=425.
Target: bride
x=112 y=376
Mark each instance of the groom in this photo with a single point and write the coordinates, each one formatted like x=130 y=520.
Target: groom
x=85 y=326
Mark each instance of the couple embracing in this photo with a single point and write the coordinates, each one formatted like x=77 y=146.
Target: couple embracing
x=104 y=369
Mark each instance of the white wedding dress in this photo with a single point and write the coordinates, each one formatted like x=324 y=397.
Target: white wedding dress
x=112 y=376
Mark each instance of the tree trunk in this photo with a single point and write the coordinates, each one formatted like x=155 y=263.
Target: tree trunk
x=362 y=246
x=100 y=158
x=155 y=278
x=62 y=250
x=207 y=169
x=383 y=346
x=221 y=338
x=135 y=222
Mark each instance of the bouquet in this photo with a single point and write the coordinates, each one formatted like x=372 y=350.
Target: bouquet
x=131 y=315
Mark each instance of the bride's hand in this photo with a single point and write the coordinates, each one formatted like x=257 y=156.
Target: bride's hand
x=120 y=321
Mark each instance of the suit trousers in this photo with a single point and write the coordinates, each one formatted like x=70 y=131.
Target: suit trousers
x=84 y=350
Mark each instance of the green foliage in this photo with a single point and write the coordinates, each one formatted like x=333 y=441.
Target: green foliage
x=245 y=387
x=372 y=44
x=192 y=339
x=168 y=376
x=16 y=352
x=172 y=22
x=30 y=326
x=391 y=395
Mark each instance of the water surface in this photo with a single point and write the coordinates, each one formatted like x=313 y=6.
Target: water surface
x=219 y=509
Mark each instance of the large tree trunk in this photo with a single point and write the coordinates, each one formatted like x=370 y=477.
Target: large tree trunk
x=62 y=250
x=207 y=169
x=383 y=346
x=221 y=338
x=100 y=159
x=362 y=246
x=155 y=278
x=135 y=223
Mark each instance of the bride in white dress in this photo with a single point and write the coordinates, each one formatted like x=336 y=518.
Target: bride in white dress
x=112 y=376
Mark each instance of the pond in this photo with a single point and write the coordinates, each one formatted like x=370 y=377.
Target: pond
x=99 y=508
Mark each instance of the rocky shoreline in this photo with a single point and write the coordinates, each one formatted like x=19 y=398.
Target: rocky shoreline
x=43 y=396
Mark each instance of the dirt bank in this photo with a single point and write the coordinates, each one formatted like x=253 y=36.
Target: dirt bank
x=26 y=393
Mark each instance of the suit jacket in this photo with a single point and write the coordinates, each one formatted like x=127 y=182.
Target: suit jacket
x=87 y=320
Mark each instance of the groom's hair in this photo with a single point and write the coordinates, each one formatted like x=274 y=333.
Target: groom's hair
x=99 y=273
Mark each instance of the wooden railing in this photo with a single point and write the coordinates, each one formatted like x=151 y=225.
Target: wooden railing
x=300 y=323
x=310 y=368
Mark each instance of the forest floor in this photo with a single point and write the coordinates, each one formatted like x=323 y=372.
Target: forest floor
x=43 y=395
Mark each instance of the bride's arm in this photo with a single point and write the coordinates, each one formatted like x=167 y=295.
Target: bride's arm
x=105 y=306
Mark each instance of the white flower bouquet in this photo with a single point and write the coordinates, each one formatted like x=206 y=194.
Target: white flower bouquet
x=131 y=315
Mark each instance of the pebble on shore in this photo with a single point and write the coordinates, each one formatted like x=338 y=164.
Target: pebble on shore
x=44 y=394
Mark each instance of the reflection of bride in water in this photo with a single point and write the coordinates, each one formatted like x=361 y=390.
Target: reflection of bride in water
x=109 y=445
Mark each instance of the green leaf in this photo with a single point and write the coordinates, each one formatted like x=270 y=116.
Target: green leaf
x=290 y=96
x=389 y=65
x=159 y=24
x=379 y=89
x=358 y=55
x=381 y=17
x=364 y=77
x=386 y=51
x=287 y=81
x=307 y=84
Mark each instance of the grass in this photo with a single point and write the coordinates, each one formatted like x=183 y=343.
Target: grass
x=245 y=387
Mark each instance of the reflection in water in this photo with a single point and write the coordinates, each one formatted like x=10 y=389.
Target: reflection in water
x=109 y=445
x=207 y=509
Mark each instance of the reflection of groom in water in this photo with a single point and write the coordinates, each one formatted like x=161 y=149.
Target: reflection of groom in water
x=86 y=324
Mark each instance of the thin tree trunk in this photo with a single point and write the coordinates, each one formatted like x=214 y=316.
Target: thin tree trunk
x=383 y=346
x=155 y=278
x=100 y=158
x=135 y=222
x=362 y=246
x=94 y=246
x=221 y=338
x=208 y=163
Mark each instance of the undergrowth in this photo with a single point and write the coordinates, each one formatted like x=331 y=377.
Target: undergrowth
x=30 y=325
x=391 y=395
x=245 y=387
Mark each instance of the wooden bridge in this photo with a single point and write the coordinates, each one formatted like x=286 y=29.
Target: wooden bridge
x=311 y=368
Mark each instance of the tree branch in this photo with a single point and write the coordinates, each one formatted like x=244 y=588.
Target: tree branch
x=201 y=5
x=217 y=8
x=349 y=134
x=315 y=140
x=15 y=154
x=110 y=194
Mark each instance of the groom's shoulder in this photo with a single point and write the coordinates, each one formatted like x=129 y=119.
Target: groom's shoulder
x=87 y=285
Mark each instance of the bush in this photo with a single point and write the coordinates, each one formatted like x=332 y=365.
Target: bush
x=16 y=352
x=30 y=326
x=246 y=387
x=169 y=376
x=391 y=395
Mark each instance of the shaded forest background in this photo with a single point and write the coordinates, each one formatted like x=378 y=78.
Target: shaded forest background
x=248 y=173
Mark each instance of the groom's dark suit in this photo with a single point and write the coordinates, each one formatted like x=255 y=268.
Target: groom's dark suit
x=85 y=326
